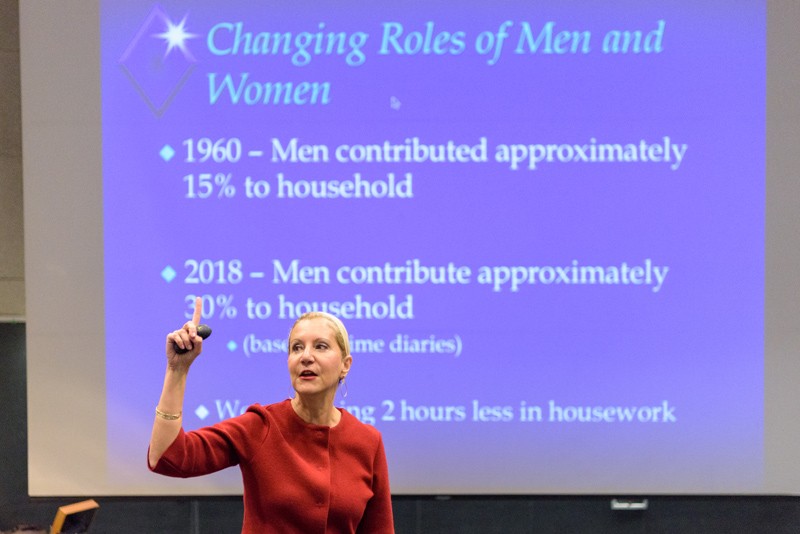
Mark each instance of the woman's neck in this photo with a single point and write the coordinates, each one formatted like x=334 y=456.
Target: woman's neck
x=316 y=412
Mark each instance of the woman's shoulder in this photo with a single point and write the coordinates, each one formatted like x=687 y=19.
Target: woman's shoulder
x=276 y=410
x=255 y=422
x=352 y=425
x=257 y=414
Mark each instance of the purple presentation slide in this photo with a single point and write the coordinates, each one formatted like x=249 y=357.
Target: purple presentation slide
x=542 y=224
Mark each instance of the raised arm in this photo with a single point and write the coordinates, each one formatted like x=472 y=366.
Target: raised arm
x=168 y=419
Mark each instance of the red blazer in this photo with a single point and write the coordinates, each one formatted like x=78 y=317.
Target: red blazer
x=298 y=477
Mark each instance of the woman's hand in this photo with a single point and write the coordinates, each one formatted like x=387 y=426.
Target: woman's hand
x=185 y=338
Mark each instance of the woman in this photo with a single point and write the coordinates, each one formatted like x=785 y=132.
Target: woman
x=307 y=466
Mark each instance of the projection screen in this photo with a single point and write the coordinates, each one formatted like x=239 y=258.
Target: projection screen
x=560 y=234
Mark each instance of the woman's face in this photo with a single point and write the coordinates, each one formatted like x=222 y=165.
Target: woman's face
x=315 y=359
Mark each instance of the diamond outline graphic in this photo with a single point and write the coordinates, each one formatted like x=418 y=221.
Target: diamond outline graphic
x=156 y=14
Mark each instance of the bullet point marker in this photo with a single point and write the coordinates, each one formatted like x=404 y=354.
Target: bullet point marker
x=201 y=412
x=167 y=153
x=168 y=274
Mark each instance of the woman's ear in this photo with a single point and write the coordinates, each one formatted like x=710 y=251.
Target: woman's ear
x=347 y=361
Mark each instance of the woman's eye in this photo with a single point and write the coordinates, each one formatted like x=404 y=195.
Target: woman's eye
x=296 y=348
x=322 y=346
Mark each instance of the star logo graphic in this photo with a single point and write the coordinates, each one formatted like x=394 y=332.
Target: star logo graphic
x=158 y=61
x=176 y=36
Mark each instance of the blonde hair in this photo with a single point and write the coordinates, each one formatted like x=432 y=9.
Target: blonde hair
x=340 y=332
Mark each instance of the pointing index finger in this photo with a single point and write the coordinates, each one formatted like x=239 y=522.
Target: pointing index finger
x=198 y=310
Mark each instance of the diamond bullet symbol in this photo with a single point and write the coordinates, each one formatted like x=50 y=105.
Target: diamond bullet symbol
x=201 y=412
x=232 y=346
x=168 y=274
x=167 y=153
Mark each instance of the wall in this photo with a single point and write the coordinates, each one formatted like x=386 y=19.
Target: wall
x=12 y=297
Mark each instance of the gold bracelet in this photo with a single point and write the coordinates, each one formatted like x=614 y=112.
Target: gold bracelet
x=168 y=416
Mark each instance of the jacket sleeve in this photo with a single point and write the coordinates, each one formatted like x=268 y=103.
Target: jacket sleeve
x=378 y=518
x=210 y=449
